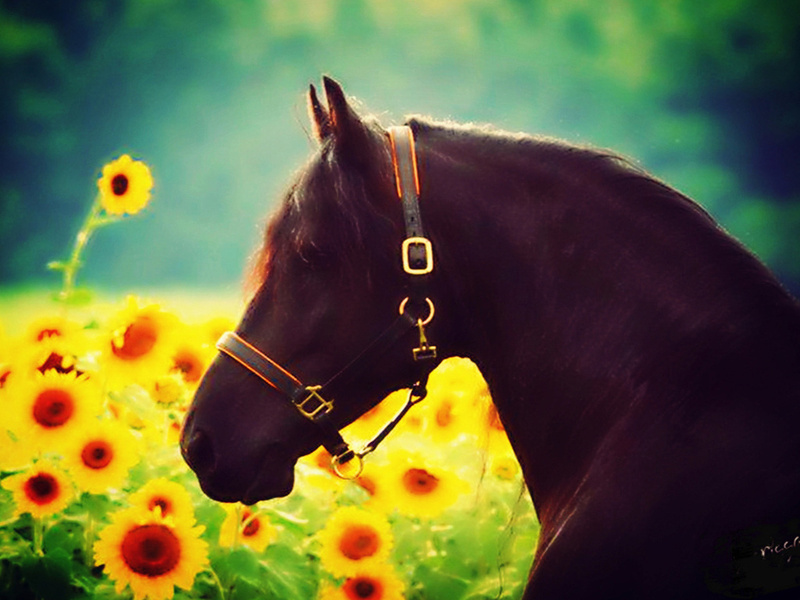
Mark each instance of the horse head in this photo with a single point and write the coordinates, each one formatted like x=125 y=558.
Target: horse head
x=330 y=281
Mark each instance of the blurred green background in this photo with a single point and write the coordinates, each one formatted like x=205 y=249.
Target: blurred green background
x=210 y=93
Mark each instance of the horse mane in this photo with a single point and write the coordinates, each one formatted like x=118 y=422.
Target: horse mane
x=353 y=224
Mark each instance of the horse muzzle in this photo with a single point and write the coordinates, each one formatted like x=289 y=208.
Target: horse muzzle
x=255 y=474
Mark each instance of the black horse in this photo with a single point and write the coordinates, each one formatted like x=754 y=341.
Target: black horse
x=644 y=364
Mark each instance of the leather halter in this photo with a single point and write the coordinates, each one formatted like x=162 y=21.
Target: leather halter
x=417 y=259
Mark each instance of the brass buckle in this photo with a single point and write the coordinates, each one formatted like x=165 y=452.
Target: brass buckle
x=417 y=241
x=322 y=406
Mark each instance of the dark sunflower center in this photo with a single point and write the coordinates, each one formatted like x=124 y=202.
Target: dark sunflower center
x=189 y=366
x=359 y=541
x=5 y=371
x=53 y=408
x=138 y=339
x=444 y=416
x=419 y=482
x=97 y=454
x=363 y=588
x=54 y=362
x=160 y=502
x=119 y=184
x=494 y=419
x=41 y=488
x=47 y=333
x=151 y=550
x=252 y=526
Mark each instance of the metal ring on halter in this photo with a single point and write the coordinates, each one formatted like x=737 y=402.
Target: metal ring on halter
x=336 y=466
x=430 y=308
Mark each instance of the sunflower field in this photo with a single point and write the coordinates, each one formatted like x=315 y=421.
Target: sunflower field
x=96 y=501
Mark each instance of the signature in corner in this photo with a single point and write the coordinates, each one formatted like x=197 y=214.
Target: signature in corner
x=773 y=549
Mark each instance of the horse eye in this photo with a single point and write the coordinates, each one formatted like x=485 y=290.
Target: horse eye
x=316 y=257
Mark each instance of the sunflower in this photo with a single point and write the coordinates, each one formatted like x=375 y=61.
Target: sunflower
x=47 y=408
x=505 y=466
x=494 y=437
x=125 y=186
x=191 y=357
x=378 y=583
x=166 y=497
x=246 y=526
x=354 y=539
x=57 y=328
x=42 y=489
x=100 y=456
x=151 y=553
x=448 y=414
x=373 y=480
x=419 y=488
x=140 y=344
x=169 y=389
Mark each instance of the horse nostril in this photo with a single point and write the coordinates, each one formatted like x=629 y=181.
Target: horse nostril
x=199 y=452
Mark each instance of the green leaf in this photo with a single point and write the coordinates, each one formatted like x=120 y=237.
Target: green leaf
x=289 y=574
x=49 y=576
x=56 y=265
x=65 y=535
x=437 y=584
x=237 y=566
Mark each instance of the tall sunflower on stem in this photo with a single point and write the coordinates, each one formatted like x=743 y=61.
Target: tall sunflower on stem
x=124 y=188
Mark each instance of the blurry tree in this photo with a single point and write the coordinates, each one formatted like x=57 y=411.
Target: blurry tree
x=703 y=94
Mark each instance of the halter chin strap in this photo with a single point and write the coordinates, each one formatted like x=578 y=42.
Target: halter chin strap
x=417 y=257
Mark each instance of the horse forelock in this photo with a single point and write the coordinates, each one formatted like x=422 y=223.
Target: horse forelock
x=330 y=209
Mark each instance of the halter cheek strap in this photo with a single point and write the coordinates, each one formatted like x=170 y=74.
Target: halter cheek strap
x=417 y=258
x=306 y=399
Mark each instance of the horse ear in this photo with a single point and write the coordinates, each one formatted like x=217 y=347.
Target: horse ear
x=349 y=131
x=320 y=120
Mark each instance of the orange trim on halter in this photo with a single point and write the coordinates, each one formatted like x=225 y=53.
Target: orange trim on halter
x=253 y=370
x=397 y=178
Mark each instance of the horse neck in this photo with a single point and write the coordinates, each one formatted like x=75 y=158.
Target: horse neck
x=568 y=299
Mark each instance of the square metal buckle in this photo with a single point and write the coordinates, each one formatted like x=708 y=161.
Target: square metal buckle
x=424 y=352
x=319 y=406
x=408 y=243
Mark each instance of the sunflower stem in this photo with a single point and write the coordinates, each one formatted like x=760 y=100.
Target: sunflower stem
x=73 y=265
x=218 y=583
x=88 y=540
x=38 y=536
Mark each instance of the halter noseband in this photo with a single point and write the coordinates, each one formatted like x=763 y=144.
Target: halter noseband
x=417 y=258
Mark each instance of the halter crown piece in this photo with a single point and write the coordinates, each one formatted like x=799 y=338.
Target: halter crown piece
x=417 y=259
